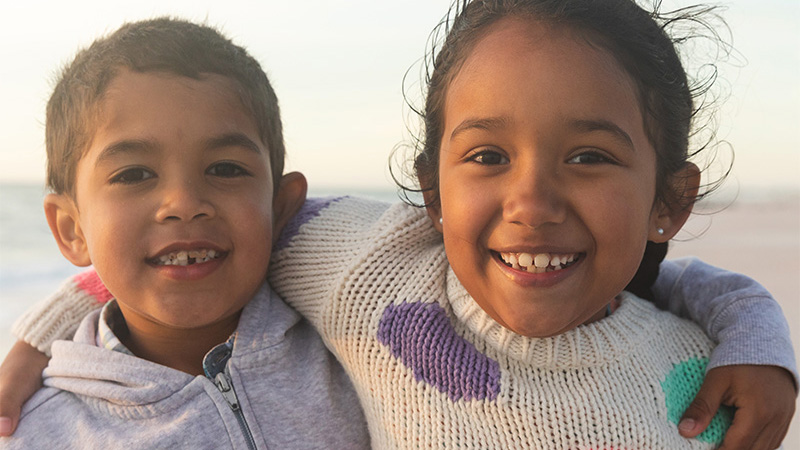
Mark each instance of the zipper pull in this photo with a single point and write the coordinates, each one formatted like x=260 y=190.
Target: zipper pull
x=224 y=385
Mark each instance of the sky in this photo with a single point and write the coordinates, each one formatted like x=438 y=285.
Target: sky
x=338 y=69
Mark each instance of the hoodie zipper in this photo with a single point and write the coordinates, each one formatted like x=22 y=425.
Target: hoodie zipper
x=216 y=367
x=225 y=385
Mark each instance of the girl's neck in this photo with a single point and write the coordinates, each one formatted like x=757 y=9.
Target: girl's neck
x=178 y=348
x=605 y=312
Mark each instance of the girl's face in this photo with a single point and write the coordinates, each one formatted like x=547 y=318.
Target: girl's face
x=547 y=178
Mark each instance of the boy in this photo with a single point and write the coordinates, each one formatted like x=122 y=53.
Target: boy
x=165 y=158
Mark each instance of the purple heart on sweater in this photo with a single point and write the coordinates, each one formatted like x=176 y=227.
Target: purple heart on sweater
x=311 y=208
x=422 y=337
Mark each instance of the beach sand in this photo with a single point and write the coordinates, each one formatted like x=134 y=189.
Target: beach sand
x=761 y=240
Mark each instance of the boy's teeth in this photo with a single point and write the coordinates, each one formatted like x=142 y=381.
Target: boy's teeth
x=538 y=263
x=185 y=258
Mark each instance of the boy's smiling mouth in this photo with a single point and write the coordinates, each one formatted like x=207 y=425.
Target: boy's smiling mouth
x=187 y=254
x=539 y=262
x=186 y=258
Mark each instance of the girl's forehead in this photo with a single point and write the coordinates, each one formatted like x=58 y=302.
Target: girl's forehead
x=522 y=59
x=526 y=37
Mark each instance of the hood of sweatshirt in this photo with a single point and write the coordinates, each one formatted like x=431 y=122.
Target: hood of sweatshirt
x=117 y=381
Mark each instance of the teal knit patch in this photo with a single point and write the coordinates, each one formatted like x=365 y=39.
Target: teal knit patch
x=680 y=388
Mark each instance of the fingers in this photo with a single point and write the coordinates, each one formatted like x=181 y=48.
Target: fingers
x=10 y=407
x=20 y=377
x=758 y=427
x=742 y=435
x=7 y=425
x=703 y=408
x=774 y=436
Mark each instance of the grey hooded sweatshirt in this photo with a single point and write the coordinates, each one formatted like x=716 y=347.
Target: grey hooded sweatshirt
x=276 y=387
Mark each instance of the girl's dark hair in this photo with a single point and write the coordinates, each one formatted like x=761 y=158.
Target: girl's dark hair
x=644 y=44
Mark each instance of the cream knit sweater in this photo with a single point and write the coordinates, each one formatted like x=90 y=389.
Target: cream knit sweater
x=433 y=370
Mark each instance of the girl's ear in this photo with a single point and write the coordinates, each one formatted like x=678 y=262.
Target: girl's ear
x=433 y=207
x=667 y=220
x=63 y=218
x=287 y=201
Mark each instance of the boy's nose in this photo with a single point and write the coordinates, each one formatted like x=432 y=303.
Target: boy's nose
x=534 y=198
x=184 y=201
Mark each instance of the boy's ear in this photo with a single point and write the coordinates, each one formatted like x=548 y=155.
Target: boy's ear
x=670 y=218
x=64 y=221
x=287 y=201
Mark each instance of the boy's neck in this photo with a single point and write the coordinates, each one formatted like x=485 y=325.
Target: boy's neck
x=180 y=349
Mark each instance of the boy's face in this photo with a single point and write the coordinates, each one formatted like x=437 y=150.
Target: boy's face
x=174 y=200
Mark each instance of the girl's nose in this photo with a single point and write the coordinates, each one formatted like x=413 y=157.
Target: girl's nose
x=534 y=198
x=184 y=201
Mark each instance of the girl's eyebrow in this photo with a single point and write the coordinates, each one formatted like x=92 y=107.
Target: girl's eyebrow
x=484 y=123
x=581 y=125
x=589 y=125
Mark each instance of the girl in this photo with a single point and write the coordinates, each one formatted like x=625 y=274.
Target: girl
x=555 y=149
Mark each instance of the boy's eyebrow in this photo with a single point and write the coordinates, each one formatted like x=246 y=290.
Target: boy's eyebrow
x=589 y=125
x=234 y=139
x=143 y=145
x=124 y=146
x=484 y=123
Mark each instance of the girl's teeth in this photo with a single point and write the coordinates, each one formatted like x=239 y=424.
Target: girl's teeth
x=525 y=259
x=542 y=260
x=538 y=263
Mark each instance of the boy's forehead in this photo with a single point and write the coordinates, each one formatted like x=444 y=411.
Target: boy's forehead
x=144 y=111
x=210 y=104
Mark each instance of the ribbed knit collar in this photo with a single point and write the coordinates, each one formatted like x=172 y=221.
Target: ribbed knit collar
x=589 y=345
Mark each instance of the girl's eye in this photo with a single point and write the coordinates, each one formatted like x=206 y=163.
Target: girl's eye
x=227 y=170
x=132 y=176
x=489 y=158
x=590 y=158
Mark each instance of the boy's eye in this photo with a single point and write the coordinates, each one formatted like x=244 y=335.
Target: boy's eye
x=227 y=170
x=590 y=157
x=132 y=175
x=489 y=158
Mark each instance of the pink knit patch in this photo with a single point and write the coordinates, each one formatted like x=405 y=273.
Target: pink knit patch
x=90 y=283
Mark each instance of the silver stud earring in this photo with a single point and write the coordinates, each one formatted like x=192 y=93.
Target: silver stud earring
x=660 y=231
x=441 y=221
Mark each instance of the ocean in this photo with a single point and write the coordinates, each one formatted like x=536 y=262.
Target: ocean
x=31 y=266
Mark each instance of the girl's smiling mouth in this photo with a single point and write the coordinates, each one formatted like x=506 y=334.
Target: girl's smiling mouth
x=538 y=262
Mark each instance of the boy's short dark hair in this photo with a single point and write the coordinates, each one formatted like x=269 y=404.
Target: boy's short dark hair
x=158 y=45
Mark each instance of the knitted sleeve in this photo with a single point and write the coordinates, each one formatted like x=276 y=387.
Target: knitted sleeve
x=58 y=316
x=734 y=311
x=317 y=247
